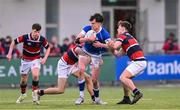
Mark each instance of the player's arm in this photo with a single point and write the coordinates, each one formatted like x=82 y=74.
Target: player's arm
x=105 y=44
x=81 y=39
x=119 y=52
x=114 y=45
x=46 y=55
x=47 y=47
x=117 y=45
x=98 y=44
x=9 y=55
x=13 y=43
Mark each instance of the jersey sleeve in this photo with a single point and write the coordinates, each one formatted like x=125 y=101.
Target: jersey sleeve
x=19 y=39
x=121 y=38
x=45 y=43
x=85 y=30
x=107 y=37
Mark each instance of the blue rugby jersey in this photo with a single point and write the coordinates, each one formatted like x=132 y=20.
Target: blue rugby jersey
x=102 y=36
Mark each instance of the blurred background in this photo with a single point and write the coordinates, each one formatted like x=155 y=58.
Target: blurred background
x=156 y=25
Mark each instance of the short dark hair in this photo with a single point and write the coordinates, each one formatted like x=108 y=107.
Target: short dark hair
x=98 y=17
x=36 y=26
x=125 y=24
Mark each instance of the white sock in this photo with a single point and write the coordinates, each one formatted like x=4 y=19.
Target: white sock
x=81 y=94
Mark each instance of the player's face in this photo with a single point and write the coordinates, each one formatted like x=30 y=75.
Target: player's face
x=35 y=34
x=121 y=29
x=95 y=25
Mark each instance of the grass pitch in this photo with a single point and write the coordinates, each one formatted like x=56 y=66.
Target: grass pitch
x=159 y=98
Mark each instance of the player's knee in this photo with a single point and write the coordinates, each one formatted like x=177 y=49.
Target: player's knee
x=23 y=82
x=36 y=77
x=94 y=81
x=60 y=91
x=82 y=70
x=88 y=79
x=121 y=78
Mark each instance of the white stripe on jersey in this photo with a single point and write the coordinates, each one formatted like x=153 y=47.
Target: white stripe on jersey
x=140 y=58
x=83 y=32
x=18 y=40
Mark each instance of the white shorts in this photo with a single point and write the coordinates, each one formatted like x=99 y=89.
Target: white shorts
x=96 y=60
x=136 y=67
x=64 y=70
x=26 y=66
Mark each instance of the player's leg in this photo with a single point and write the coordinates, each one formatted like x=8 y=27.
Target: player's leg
x=23 y=85
x=24 y=70
x=95 y=76
x=55 y=90
x=82 y=63
x=63 y=71
x=35 y=82
x=132 y=70
x=35 y=69
x=35 y=77
x=95 y=71
x=51 y=90
x=126 y=98
x=126 y=80
x=89 y=85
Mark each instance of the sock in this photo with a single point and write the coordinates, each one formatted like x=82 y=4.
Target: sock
x=136 y=91
x=23 y=88
x=81 y=87
x=81 y=93
x=93 y=98
x=35 y=85
x=41 y=92
x=96 y=92
x=126 y=97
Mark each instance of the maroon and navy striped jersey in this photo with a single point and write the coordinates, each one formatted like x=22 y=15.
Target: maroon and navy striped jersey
x=31 y=47
x=70 y=57
x=131 y=46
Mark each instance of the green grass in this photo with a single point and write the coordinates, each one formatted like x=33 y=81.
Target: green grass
x=154 y=98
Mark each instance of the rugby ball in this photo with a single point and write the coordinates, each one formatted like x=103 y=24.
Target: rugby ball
x=90 y=33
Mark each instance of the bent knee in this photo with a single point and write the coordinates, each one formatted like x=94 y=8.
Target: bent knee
x=82 y=69
x=94 y=81
x=60 y=91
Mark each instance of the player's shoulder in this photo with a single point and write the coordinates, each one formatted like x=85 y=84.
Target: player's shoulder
x=24 y=36
x=42 y=38
x=86 y=28
x=104 y=32
x=122 y=36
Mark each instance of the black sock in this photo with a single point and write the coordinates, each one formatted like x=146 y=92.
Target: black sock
x=126 y=97
x=35 y=85
x=96 y=92
x=23 y=88
x=136 y=91
x=41 y=92
x=93 y=98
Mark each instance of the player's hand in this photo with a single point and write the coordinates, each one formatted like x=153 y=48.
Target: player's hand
x=97 y=44
x=77 y=41
x=9 y=57
x=43 y=61
x=110 y=44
